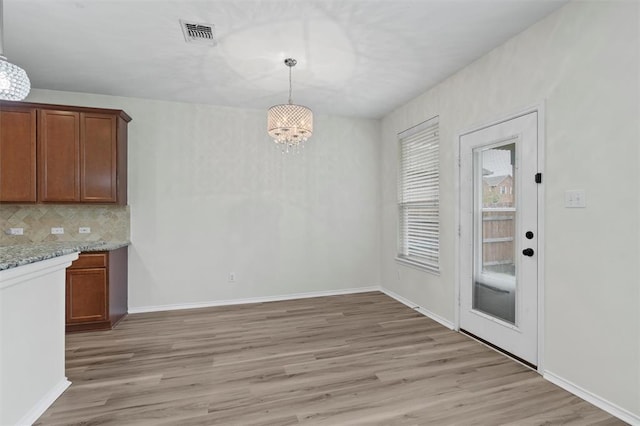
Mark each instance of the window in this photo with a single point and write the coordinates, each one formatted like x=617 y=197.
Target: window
x=418 y=196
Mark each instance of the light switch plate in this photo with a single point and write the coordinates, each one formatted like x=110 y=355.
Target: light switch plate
x=57 y=231
x=575 y=198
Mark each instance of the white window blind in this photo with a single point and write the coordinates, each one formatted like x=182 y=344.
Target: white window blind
x=418 y=195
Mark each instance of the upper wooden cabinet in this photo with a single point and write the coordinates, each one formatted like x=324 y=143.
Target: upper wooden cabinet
x=17 y=154
x=98 y=158
x=58 y=156
x=81 y=154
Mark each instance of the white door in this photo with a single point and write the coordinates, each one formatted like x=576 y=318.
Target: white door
x=498 y=235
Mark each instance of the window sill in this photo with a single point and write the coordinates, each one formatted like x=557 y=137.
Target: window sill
x=417 y=265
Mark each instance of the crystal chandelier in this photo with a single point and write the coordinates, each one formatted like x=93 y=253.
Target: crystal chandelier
x=14 y=83
x=290 y=125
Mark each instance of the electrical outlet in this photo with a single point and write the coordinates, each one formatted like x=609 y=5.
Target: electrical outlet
x=84 y=230
x=232 y=277
x=57 y=231
x=15 y=231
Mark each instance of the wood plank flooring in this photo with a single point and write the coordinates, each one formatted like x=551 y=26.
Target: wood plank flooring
x=354 y=359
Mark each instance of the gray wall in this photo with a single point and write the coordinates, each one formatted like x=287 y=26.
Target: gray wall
x=210 y=194
x=583 y=62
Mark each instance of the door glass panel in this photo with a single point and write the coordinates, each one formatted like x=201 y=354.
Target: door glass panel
x=494 y=282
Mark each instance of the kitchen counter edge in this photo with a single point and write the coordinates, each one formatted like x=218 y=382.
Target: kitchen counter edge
x=13 y=256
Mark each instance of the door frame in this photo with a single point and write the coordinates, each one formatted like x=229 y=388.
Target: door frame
x=539 y=108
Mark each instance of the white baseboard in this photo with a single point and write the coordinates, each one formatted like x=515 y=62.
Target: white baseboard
x=212 y=303
x=599 y=402
x=45 y=402
x=425 y=312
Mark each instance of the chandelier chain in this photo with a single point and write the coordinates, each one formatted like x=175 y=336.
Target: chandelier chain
x=290 y=85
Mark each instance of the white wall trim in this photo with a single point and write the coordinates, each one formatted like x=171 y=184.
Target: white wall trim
x=542 y=142
x=599 y=402
x=456 y=245
x=45 y=402
x=445 y=322
x=212 y=303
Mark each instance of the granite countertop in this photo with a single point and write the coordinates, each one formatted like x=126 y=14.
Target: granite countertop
x=12 y=256
x=106 y=245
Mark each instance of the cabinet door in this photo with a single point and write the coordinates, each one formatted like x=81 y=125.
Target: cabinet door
x=59 y=156
x=86 y=295
x=98 y=160
x=17 y=155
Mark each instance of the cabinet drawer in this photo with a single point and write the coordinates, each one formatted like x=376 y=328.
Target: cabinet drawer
x=90 y=260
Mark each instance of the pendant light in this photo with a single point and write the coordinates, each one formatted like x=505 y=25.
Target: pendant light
x=14 y=82
x=289 y=124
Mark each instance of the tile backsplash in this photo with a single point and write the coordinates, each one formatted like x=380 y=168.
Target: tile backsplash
x=107 y=223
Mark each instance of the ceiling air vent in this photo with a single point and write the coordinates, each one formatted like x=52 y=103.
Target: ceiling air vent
x=198 y=33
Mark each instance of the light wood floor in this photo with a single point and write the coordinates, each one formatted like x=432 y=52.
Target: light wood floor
x=355 y=359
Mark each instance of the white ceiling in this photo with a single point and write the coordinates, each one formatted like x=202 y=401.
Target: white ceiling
x=355 y=58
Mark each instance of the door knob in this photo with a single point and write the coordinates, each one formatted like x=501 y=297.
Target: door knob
x=528 y=252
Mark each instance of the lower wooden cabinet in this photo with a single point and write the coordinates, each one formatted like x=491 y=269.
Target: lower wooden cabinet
x=87 y=293
x=96 y=290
